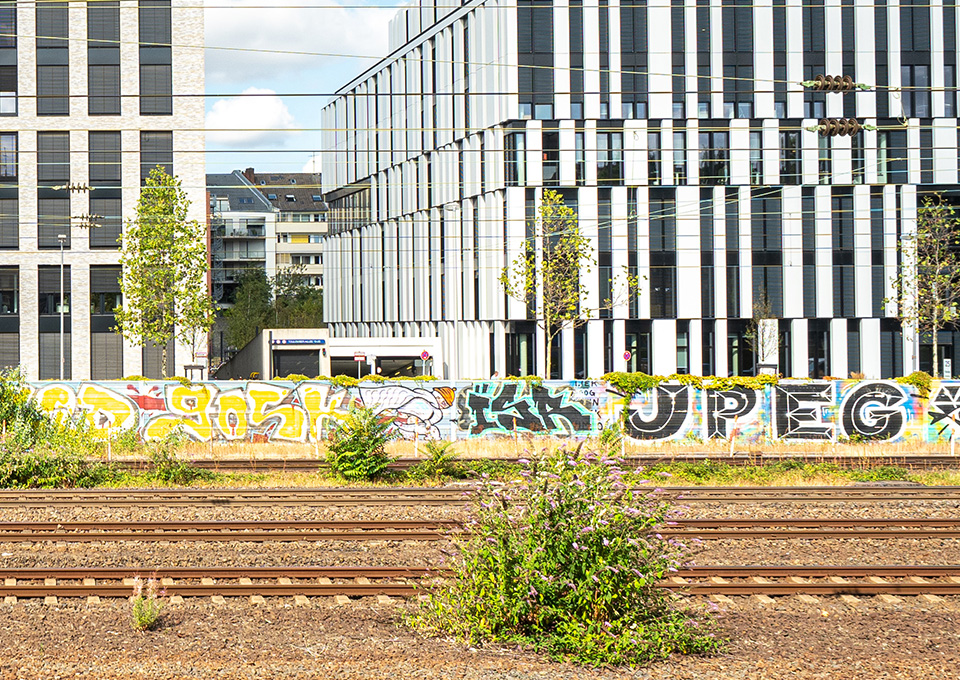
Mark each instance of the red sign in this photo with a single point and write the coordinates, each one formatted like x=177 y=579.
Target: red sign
x=424 y=355
x=627 y=355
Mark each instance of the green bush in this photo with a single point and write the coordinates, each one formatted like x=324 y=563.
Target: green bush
x=568 y=562
x=357 y=447
x=167 y=467
x=439 y=462
x=45 y=469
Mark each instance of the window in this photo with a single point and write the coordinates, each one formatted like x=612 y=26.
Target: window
x=790 y=157
x=155 y=58
x=8 y=25
x=156 y=148
x=291 y=198
x=53 y=90
x=156 y=88
x=892 y=157
x=104 y=158
x=714 y=158
x=551 y=157
x=653 y=158
x=271 y=197
x=9 y=290
x=48 y=289
x=825 y=160
x=105 y=193
x=859 y=160
x=8 y=156
x=580 y=158
x=103 y=58
x=104 y=289
x=53 y=84
x=515 y=160
x=609 y=158
x=317 y=198
x=8 y=89
x=756 y=158
x=915 y=81
x=679 y=158
x=53 y=157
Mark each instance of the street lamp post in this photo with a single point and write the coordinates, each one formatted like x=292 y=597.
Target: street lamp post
x=62 y=238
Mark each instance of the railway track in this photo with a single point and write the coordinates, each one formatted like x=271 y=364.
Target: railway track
x=312 y=465
x=429 y=496
x=405 y=582
x=287 y=531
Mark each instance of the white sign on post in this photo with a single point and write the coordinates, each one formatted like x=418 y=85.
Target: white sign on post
x=947 y=369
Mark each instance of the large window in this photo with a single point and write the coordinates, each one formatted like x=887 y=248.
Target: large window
x=105 y=193
x=53 y=81
x=756 y=158
x=892 y=157
x=609 y=157
x=714 y=158
x=679 y=157
x=53 y=204
x=790 y=157
x=9 y=290
x=156 y=148
x=516 y=159
x=103 y=57
x=155 y=58
x=915 y=95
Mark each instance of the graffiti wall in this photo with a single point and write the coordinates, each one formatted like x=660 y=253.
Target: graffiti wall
x=305 y=412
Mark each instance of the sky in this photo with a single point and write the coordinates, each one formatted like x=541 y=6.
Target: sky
x=252 y=119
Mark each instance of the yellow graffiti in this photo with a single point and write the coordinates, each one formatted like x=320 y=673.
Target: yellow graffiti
x=321 y=402
x=106 y=410
x=232 y=414
x=187 y=408
x=58 y=399
x=291 y=423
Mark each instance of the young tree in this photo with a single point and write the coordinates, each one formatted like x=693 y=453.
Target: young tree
x=165 y=267
x=762 y=334
x=927 y=288
x=251 y=311
x=550 y=274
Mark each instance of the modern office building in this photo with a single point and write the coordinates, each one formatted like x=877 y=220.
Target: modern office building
x=684 y=137
x=88 y=106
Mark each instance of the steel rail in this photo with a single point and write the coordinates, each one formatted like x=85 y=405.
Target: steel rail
x=739 y=459
x=429 y=496
x=414 y=530
x=277 y=581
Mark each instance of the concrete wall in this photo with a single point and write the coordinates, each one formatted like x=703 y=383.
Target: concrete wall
x=288 y=412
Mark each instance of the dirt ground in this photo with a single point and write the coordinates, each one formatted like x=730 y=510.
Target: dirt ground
x=361 y=640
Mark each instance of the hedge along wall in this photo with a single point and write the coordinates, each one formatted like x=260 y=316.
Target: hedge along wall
x=306 y=411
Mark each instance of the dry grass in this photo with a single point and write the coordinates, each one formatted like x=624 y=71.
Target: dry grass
x=510 y=447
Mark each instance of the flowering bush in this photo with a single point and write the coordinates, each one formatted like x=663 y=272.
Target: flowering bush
x=568 y=561
x=147 y=603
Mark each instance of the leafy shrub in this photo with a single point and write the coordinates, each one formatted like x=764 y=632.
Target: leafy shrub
x=167 y=467
x=439 y=462
x=147 y=603
x=611 y=439
x=45 y=469
x=568 y=561
x=921 y=380
x=881 y=473
x=357 y=447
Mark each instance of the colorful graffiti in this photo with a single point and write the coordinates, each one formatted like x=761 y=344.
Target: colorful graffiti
x=878 y=410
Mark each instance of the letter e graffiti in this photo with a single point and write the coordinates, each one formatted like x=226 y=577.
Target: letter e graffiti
x=799 y=410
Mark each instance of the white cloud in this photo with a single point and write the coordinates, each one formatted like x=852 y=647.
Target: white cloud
x=313 y=165
x=255 y=119
x=276 y=25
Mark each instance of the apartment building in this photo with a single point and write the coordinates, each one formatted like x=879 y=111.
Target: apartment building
x=685 y=136
x=302 y=221
x=243 y=232
x=90 y=102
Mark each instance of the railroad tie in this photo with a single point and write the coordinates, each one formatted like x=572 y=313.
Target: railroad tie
x=718 y=598
x=363 y=581
x=324 y=581
x=926 y=597
x=217 y=599
x=206 y=581
x=849 y=600
x=301 y=601
x=803 y=597
x=953 y=579
x=341 y=599
x=884 y=597
x=760 y=597
x=10 y=599
x=284 y=581
x=91 y=599
x=384 y=599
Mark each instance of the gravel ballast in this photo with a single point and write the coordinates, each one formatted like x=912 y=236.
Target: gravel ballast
x=909 y=639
